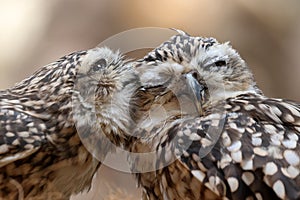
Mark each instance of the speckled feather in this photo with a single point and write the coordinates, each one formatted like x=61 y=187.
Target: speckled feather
x=41 y=153
x=244 y=145
x=256 y=154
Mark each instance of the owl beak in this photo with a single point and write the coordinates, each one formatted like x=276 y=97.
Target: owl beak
x=196 y=91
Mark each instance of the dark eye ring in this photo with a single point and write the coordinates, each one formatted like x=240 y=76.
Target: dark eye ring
x=220 y=63
x=100 y=64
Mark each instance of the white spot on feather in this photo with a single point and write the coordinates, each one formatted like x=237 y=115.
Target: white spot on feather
x=291 y=157
x=233 y=183
x=225 y=160
x=23 y=134
x=232 y=125
x=256 y=141
x=293 y=136
x=259 y=151
x=289 y=118
x=258 y=134
x=3 y=148
x=293 y=171
x=249 y=107
x=285 y=172
x=276 y=110
x=198 y=174
x=237 y=156
x=226 y=139
x=270 y=129
x=235 y=146
x=258 y=196
x=9 y=134
x=270 y=168
x=247 y=165
x=292 y=108
x=279 y=189
x=290 y=144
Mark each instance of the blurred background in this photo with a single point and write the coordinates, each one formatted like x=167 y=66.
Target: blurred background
x=36 y=32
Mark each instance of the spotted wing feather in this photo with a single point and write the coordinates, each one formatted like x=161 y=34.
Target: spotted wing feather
x=254 y=152
x=20 y=135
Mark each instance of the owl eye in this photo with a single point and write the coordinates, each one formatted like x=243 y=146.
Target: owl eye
x=220 y=63
x=100 y=64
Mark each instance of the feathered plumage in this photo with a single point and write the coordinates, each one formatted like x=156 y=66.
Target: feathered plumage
x=47 y=123
x=242 y=145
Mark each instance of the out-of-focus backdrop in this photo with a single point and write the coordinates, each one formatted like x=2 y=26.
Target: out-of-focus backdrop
x=36 y=32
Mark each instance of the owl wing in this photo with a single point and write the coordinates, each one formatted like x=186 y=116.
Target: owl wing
x=20 y=135
x=252 y=149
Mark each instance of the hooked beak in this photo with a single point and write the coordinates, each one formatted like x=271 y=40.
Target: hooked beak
x=196 y=90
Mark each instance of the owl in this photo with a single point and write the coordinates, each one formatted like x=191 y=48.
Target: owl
x=234 y=142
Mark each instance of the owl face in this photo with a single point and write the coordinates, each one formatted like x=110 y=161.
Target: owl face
x=104 y=88
x=223 y=70
x=170 y=87
x=103 y=74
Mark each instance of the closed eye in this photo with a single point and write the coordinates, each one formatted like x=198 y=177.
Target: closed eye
x=220 y=63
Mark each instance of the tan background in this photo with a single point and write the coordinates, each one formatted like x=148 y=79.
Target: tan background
x=266 y=33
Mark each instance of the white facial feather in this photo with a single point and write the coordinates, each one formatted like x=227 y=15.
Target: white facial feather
x=98 y=53
x=159 y=74
x=226 y=81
